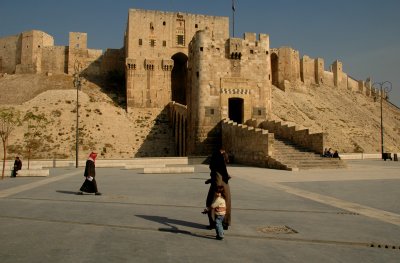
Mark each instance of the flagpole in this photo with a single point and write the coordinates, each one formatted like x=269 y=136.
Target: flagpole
x=233 y=18
x=233 y=23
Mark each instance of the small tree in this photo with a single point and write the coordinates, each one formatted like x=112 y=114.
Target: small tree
x=9 y=120
x=34 y=136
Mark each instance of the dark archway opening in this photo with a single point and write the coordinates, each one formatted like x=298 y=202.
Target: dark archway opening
x=274 y=69
x=235 y=108
x=179 y=78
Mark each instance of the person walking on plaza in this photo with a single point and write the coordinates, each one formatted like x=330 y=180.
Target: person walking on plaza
x=218 y=211
x=17 y=166
x=219 y=177
x=90 y=185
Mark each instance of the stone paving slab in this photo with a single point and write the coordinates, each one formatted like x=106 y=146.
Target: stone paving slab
x=156 y=218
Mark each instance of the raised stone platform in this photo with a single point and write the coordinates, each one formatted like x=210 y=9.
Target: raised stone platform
x=139 y=166
x=168 y=170
x=133 y=163
x=30 y=172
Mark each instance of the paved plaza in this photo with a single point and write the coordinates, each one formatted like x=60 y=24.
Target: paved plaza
x=341 y=215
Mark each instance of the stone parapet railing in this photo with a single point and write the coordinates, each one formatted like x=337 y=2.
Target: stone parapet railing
x=249 y=146
x=301 y=137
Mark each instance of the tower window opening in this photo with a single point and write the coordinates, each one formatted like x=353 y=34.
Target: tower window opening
x=180 y=40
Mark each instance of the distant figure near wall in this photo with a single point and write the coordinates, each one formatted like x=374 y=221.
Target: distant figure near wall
x=17 y=166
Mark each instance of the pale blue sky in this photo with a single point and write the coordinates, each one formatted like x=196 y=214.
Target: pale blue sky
x=363 y=34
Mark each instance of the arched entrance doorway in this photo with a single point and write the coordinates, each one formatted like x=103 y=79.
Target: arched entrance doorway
x=274 y=69
x=178 y=78
x=235 y=109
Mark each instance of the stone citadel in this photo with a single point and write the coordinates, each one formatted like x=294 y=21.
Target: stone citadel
x=216 y=87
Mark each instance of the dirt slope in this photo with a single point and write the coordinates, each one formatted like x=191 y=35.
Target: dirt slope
x=104 y=126
x=351 y=120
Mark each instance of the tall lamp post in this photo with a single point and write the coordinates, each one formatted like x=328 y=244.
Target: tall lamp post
x=384 y=87
x=78 y=82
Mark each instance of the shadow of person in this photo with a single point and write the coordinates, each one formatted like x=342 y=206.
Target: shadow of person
x=172 y=228
x=67 y=192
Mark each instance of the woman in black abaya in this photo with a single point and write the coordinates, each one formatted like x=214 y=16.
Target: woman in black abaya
x=219 y=177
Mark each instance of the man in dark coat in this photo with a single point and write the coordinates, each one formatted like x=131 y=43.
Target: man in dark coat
x=90 y=185
x=219 y=177
x=17 y=166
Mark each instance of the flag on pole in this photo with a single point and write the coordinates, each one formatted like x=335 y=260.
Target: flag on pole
x=233 y=5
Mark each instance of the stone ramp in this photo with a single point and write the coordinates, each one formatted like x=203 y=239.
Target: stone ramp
x=294 y=156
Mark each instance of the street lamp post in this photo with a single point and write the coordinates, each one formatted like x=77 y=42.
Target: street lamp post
x=78 y=81
x=384 y=87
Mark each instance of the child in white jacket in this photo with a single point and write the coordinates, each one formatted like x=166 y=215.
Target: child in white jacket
x=218 y=209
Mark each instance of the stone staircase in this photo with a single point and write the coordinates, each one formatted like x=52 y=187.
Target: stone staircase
x=295 y=157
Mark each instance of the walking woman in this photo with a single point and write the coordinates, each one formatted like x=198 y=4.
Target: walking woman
x=90 y=185
x=219 y=178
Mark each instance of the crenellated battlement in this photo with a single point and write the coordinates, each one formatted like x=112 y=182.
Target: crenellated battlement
x=290 y=72
x=34 y=52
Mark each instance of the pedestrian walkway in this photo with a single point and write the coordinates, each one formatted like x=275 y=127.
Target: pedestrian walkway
x=327 y=215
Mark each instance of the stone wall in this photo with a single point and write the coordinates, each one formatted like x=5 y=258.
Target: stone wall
x=308 y=70
x=314 y=141
x=32 y=43
x=287 y=66
x=247 y=145
x=352 y=84
x=10 y=54
x=164 y=34
x=34 y=52
x=239 y=92
x=113 y=60
x=178 y=119
x=78 y=53
x=155 y=54
x=54 y=59
x=328 y=78
x=156 y=47
x=288 y=71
